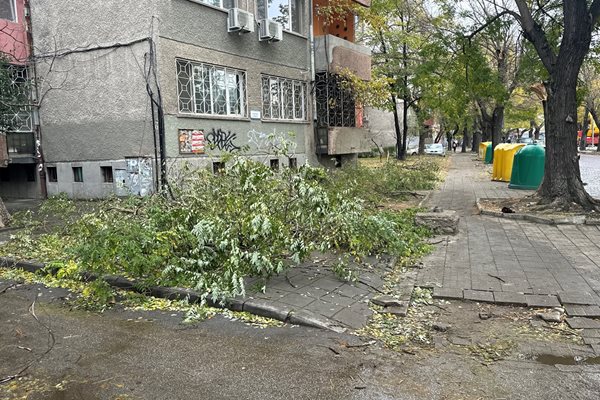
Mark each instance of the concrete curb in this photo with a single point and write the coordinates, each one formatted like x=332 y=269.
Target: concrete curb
x=570 y=220
x=262 y=308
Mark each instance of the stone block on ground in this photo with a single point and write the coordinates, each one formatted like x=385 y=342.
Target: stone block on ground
x=401 y=310
x=386 y=301
x=583 y=323
x=582 y=311
x=443 y=222
x=447 y=293
x=540 y=300
x=478 y=295
x=592 y=333
x=510 y=298
x=581 y=298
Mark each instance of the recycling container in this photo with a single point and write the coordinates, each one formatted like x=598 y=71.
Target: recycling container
x=488 y=154
x=508 y=160
x=498 y=161
x=528 y=168
x=482 y=147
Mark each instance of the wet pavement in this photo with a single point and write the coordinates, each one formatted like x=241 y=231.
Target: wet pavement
x=508 y=261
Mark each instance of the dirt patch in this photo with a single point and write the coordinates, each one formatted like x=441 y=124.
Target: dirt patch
x=528 y=208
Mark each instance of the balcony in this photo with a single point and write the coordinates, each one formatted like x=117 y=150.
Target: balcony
x=21 y=147
x=333 y=53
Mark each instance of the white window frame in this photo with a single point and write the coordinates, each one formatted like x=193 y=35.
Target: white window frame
x=241 y=88
x=15 y=12
x=289 y=27
x=281 y=106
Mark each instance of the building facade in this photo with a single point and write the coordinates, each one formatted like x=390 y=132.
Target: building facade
x=20 y=157
x=128 y=92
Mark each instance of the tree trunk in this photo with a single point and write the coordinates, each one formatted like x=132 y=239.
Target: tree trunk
x=402 y=153
x=498 y=124
x=584 y=129
x=422 y=138
x=4 y=215
x=397 y=127
x=449 y=140
x=562 y=185
x=476 y=141
x=465 y=141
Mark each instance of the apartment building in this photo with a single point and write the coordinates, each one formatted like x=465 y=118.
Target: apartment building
x=130 y=91
x=20 y=157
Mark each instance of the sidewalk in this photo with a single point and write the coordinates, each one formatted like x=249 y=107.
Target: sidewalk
x=509 y=261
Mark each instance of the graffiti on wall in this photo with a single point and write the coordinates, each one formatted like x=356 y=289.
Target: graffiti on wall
x=221 y=140
x=273 y=143
x=191 y=141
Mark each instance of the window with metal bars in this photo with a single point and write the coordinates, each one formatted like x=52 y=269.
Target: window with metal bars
x=210 y=90
x=283 y=99
x=335 y=104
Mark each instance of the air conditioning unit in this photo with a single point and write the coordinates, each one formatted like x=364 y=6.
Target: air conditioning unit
x=270 y=31
x=239 y=20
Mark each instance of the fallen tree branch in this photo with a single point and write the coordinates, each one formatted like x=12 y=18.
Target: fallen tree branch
x=12 y=285
x=51 y=343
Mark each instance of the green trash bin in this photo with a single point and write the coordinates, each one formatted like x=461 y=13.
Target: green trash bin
x=489 y=154
x=528 y=168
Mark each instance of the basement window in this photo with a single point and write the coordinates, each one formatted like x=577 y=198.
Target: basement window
x=274 y=164
x=77 y=174
x=8 y=10
x=218 y=167
x=52 y=174
x=107 y=174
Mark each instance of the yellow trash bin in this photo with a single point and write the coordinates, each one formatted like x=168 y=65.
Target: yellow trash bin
x=482 y=147
x=499 y=152
x=507 y=162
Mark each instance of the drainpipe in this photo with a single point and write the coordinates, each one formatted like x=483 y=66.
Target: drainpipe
x=311 y=45
x=39 y=154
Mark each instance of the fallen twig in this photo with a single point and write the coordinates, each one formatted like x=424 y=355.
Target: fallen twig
x=401 y=192
x=438 y=242
x=497 y=277
x=23 y=348
x=350 y=346
x=51 y=342
x=287 y=278
x=12 y=285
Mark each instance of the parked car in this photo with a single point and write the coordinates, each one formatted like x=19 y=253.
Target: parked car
x=435 y=149
x=412 y=151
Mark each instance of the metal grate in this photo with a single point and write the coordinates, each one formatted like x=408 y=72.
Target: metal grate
x=283 y=99
x=335 y=104
x=210 y=90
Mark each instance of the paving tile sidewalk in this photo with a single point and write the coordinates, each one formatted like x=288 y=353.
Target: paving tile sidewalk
x=509 y=259
x=313 y=289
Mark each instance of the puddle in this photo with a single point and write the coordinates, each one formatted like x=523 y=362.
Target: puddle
x=549 y=359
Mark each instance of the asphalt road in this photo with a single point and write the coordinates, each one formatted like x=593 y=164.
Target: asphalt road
x=72 y=355
x=590 y=173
